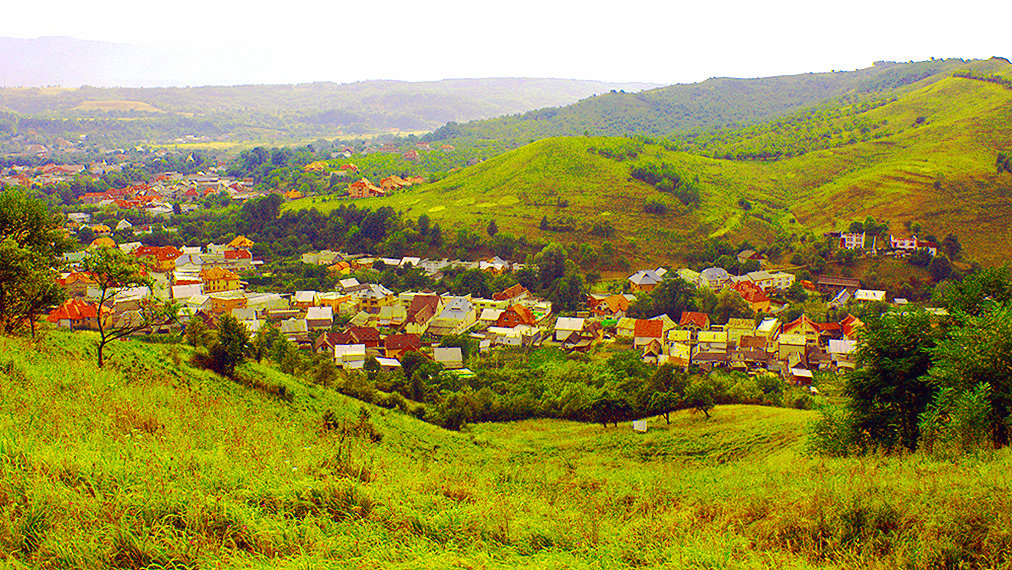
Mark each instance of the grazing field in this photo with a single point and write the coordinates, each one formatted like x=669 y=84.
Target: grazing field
x=153 y=463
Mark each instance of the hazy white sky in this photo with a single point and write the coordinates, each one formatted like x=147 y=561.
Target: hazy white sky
x=632 y=40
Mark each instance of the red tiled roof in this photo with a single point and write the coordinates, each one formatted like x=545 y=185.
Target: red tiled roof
x=365 y=334
x=701 y=320
x=649 y=329
x=513 y=292
x=75 y=310
x=237 y=254
x=402 y=342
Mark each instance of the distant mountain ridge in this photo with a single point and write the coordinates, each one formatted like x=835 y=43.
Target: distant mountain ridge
x=61 y=78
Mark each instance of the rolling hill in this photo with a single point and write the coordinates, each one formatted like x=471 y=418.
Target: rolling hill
x=930 y=159
x=716 y=102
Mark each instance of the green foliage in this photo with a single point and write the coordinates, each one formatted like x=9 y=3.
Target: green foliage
x=976 y=293
x=920 y=257
x=978 y=351
x=30 y=247
x=889 y=389
x=113 y=269
x=230 y=345
x=957 y=423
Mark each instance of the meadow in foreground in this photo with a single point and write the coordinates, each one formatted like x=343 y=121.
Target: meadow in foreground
x=151 y=463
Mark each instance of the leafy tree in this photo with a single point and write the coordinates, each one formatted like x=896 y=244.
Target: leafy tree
x=26 y=286
x=939 y=268
x=113 y=270
x=665 y=403
x=976 y=351
x=197 y=333
x=700 y=396
x=890 y=389
x=31 y=246
x=551 y=263
x=976 y=293
x=569 y=293
x=951 y=246
x=609 y=410
x=231 y=345
x=920 y=257
x=492 y=228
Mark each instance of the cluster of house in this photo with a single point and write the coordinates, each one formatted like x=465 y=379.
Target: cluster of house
x=793 y=349
x=208 y=274
x=754 y=287
x=896 y=245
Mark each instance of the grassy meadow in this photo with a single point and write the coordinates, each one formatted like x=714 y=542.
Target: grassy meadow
x=151 y=463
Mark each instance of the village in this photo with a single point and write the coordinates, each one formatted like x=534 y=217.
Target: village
x=360 y=320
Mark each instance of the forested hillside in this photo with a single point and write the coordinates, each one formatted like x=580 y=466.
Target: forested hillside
x=716 y=102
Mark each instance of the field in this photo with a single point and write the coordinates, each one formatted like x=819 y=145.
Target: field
x=152 y=463
x=118 y=106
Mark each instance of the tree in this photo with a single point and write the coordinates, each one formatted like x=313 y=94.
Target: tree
x=569 y=293
x=939 y=268
x=979 y=351
x=976 y=293
x=263 y=342
x=551 y=263
x=113 y=270
x=951 y=246
x=31 y=246
x=230 y=348
x=492 y=228
x=890 y=389
x=701 y=395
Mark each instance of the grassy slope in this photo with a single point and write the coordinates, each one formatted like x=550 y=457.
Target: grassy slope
x=151 y=462
x=967 y=123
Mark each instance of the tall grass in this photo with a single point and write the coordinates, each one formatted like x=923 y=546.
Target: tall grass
x=151 y=463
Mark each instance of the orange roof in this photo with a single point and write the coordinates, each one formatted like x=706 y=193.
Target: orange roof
x=240 y=242
x=701 y=320
x=74 y=277
x=649 y=329
x=216 y=273
x=513 y=292
x=102 y=242
x=161 y=253
x=798 y=323
x=526 y=315
x=75 y=310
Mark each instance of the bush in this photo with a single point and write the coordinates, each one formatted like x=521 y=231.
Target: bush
x=957 y=422
x=833 y=434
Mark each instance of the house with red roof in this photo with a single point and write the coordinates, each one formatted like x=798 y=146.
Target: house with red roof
x=516 y=315
x=78 y=314
x=369 y=336
x=753 y=294
x=694 y=320
x=397 y=345
x=512 y=295
x=646 y=331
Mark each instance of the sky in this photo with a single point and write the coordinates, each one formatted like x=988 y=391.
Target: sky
x=632 y=40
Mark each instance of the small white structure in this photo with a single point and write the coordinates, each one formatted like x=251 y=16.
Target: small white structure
x=640 y=426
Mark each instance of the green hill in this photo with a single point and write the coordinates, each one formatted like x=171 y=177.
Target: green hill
x=716 y=102
x=924 y=155
x=152 y=463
